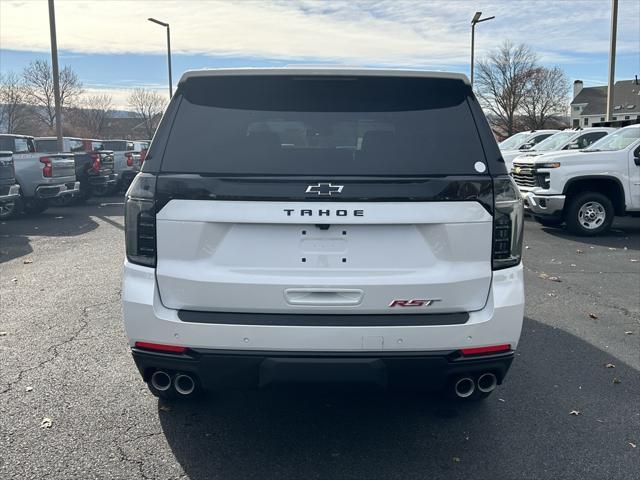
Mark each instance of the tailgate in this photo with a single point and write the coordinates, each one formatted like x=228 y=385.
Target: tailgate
x=62 y=164
x=354 y=257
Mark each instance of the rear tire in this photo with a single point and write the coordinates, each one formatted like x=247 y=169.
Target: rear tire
x=589 y=214
x=34 y=206
x=548 y=222
x=9 y=210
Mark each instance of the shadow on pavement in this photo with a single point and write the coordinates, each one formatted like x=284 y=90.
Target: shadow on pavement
x=524 y=430
x=55 y=222
x=624 y=233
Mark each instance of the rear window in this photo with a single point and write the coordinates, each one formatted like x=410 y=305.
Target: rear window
x=117 y=145
x=306 y=125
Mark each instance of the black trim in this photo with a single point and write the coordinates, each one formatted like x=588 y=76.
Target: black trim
x=356 y=189
x=247 y=369
x=328 y=320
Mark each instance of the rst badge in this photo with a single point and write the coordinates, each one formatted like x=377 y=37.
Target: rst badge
x=412 y=303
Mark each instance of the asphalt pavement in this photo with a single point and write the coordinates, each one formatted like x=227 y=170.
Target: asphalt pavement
x=72 y=404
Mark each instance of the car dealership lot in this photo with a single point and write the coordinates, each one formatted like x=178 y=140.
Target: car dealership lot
x=72 y=404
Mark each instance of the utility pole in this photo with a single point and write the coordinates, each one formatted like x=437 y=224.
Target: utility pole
x=612 y=58
x=474 y=21
x=56 y=74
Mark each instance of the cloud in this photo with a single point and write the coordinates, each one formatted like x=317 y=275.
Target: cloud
x=359 y=32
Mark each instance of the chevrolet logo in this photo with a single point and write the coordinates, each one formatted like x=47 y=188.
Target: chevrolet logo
x=324 y=189
x=517 y=169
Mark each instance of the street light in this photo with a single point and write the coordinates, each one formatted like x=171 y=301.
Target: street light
x=474 y=20
x=168 y=50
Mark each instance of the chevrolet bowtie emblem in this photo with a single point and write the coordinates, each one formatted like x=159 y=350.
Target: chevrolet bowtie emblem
x=324 y=189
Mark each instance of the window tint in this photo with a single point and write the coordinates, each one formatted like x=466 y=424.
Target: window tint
x=76 y=145
x=588 y=138
x=538 y=138
x=6 y=144
x=288 y=125
x=46 y=146
x=116 y=145
x=22 y=145
x=95 y=146
x=514 y=141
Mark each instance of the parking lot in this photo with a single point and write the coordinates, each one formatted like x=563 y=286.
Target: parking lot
x=72 y=404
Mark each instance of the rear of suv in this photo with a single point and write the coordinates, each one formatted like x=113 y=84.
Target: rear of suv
x=323 y=225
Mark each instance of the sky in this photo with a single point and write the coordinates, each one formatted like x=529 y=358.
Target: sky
x=113 y=48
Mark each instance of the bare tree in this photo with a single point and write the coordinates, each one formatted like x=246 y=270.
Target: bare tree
x=502 y=81
x=92 y=114
x=13 y=111
x=38 y=79
x=149 y=106
x=546 y=96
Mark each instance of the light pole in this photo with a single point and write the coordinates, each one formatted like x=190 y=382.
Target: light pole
x=56 y=76
x=474 y=20
x=612 y=58
x=168 y=50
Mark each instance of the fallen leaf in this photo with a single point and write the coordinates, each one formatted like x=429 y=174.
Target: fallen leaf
x=612 y=248
x=633 y=260
x=46 y=423
x=456 y=459
x=27 y=261
x=575 y=412
x=579 y=251
x=28 y=389
x=555 y=279
x=609 y=365
x=526 y=247
x=551 y=294
x=616 y=380
x=543 y=275
x=165 y=408
x=573 y=265
x=632 y=445
x=3 y=334
x=14 y=280
x=593 y=315
x=628 y=333
x=502 y=400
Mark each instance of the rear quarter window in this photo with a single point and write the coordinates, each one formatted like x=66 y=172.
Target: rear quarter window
x=305 y=125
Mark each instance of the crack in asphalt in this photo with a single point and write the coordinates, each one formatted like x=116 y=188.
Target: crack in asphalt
x=84 y=322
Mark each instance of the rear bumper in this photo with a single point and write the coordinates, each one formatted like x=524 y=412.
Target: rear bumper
x=429 y=346
x=9 y=193
x=544 y=205
x=53 y=191
x=245 y=369
x=103 y=180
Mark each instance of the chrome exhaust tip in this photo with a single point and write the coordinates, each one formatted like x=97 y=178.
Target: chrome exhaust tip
x=161 y=380
x=464 y=387
x=487 y=382
x=184 y=384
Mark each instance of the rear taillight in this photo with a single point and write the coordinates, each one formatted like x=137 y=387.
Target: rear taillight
x=508 y=223
x=143 y=155
x=95 y=162
x=486 y=350
x=47 y=169
x=129 y=157
x=140 y=220
x=161 y=347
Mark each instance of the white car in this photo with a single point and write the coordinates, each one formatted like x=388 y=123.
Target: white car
x=516 y=144
x=584 y=189
x=566 y=141
x=323 y=225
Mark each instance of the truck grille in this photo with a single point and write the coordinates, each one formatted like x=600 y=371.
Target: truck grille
x=525 y=176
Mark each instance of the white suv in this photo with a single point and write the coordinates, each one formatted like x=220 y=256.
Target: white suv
x=323 y=225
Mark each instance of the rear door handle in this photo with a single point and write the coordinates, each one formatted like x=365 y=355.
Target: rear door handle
x=323 y=296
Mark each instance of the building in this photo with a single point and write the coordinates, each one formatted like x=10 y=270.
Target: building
x=589 y=105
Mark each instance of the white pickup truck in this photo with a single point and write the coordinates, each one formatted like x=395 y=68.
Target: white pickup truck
x=585 y=189
x=523 y=141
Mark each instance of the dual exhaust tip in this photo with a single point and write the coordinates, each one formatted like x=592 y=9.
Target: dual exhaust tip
x=465 y=386
x=183 y=383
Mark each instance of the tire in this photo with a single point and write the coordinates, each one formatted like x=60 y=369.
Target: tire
x=9 y=210
x=35 y=206
x=548 y=222
x=589 y=214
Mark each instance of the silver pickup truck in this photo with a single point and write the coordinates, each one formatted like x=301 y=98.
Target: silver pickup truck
x=40 y=177
x=9 y=189
x=126 y=161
